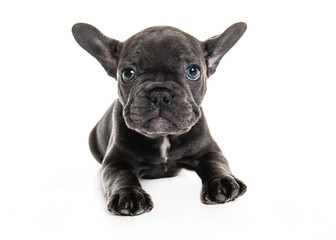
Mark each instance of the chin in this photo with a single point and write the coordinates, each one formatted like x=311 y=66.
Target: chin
x=160 y=126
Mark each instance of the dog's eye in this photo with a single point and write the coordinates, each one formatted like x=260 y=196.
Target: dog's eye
x=193 y=73
x=128 y=75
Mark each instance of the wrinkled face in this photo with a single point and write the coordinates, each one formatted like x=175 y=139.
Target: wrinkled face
x=161 y=76
x=161 y=73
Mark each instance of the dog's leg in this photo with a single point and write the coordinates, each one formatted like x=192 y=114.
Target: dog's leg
x=218 y=183
x=124 y=193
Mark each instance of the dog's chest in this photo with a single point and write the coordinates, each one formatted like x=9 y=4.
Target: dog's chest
x=164 y=148
x=159 y=166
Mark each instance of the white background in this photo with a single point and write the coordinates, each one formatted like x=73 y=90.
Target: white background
x=270 y=106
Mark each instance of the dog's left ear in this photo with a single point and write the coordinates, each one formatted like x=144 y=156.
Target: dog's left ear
x=104 y=49
x=216 y=47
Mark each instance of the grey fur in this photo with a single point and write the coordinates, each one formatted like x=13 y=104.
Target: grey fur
x=160 y=103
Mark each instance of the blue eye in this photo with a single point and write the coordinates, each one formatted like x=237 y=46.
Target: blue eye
x=128 y=75
x=193 y=73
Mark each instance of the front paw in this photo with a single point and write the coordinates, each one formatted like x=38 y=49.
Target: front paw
x=221 y=190
x=129 y=201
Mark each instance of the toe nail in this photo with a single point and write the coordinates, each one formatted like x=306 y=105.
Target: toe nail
x=124 y=211
x=140 y=211
x=220 y=198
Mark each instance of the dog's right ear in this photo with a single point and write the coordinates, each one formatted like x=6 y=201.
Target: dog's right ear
x=104 y=49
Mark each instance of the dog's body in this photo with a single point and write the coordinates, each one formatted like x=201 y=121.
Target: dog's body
x=157 y=126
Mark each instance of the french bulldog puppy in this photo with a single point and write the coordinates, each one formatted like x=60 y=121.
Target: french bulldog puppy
x=157 y=127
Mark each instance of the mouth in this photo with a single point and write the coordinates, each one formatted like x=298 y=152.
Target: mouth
x=158 y=124
x=156 y=116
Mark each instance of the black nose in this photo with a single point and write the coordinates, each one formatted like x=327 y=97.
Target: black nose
x=160 y=97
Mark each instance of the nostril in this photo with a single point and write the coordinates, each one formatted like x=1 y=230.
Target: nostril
x=166 y=99
x=159 y=97
x=154 y=100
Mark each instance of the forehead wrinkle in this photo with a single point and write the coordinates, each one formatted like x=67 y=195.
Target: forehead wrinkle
x=162 y=48
x=169 y=56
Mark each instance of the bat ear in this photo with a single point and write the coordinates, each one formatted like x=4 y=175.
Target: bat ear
x=216 y=47
x=104 y=49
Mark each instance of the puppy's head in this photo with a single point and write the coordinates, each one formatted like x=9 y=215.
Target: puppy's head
x=161 y=73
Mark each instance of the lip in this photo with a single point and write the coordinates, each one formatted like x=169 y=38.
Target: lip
x=159 y=121
x=159 y=124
